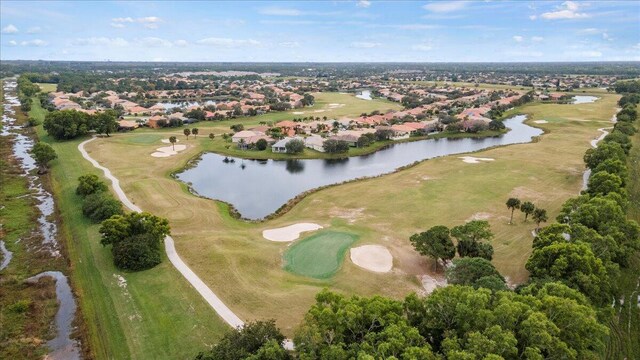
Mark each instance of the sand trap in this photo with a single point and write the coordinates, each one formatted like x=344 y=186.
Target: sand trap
x=541 y=122
x=375 y=258
x=289 y=233
x=167 y=151
x=474 y=160
x=319 y=111
x=166 y=141
x=335 y=105
x=298 y=112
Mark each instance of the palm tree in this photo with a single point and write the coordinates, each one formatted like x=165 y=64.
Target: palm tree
x=513 y=204
x=527 y=208
x=211 y=136
x=187 y=132
x=173 y=140
x=539 y=216
x=194 y=131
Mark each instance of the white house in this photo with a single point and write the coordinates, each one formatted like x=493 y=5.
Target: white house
x=315 y=143
x=281 y=146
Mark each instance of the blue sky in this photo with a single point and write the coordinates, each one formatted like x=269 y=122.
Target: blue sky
x=326 y=31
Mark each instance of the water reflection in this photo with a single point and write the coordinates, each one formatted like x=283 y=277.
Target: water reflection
x=263 y=186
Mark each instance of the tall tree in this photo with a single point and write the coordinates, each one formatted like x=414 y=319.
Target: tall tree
x=470 y=237
x=527 y=208
x=539 y=216
x=435 y=242
x=43 y=153
x=187 y=132
x=194 y=131
x=173 y=140
x=513 y=204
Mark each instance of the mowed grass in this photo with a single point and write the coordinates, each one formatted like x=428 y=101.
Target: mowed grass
x=246 y=270
x=152 y=314
x=318 y=256
x=47 y=88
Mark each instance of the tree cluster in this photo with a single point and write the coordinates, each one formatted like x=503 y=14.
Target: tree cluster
x=136 y=239
x=69 y=124
x=97 y=203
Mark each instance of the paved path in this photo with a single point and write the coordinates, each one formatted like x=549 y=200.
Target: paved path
x=225 y=313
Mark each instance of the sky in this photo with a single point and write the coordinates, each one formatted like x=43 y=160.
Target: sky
x=321 y=31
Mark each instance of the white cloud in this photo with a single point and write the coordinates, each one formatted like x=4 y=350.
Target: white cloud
x=518 y=38
x=364 y=44
x=181 y=43
x=13 y=43
x=35 y=42
x=532 y=17
x=422 y=47
x=524 y=53
x=154 y=42
x=122 y=20
x=290 y=44
x=100 y=41
x=415 y=26
x=568 y=10
x=589 y=31
x=445 y=6
x=34 y=30
x=279 y=11
x=150 y=22
x=636 y=46
x=227 y=43
x=9 y=29
x=363 y=3
x=606 y=36
x=537 y=38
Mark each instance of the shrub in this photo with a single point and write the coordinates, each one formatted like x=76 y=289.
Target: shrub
x=261 y=144
x=295 y=146
x=20 y=306
x=90 y=184
x=136 y=253
x=101 y=206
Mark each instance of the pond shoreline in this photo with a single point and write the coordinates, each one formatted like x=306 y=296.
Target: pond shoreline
x=290 y=203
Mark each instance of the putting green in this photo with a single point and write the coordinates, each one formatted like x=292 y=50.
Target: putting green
x=318 y=256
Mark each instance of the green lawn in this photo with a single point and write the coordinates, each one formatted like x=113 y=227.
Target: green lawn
x=151 y=314
x=320 y=255
x=47 y=88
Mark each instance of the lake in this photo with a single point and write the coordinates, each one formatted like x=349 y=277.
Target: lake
x=364 y=95
x=257 y=188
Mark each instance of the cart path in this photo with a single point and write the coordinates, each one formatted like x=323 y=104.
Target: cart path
x=210 y=297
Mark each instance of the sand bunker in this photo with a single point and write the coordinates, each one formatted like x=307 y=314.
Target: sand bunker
x=166 y=141
x=375 y=258
x=289 y=233
x=335 y=105
x=541 y=121
x=167 y=151
x=474 y=160
x=298 y=112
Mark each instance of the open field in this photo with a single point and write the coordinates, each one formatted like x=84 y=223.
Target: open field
x=144 y=315
x=47 y=87
x=318 y=256
x=246 y=271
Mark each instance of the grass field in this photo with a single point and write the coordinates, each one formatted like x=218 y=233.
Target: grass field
x=45 y=87
x=318 y=256
x=246 y=271
x=144 y=315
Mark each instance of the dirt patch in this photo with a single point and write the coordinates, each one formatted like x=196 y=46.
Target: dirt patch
x=541 y=122
x=376 y=258
x=527 y=194
x=480 y=216
x=474 y=160
x=289 y=233
x=431 y=283
x=351 y=215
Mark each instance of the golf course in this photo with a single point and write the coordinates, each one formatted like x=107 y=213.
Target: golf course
x=261 y=279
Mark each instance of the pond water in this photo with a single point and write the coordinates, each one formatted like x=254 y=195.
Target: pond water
x=584 y=99
x=364 y=95
x=257 y=188
x=63 y=347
